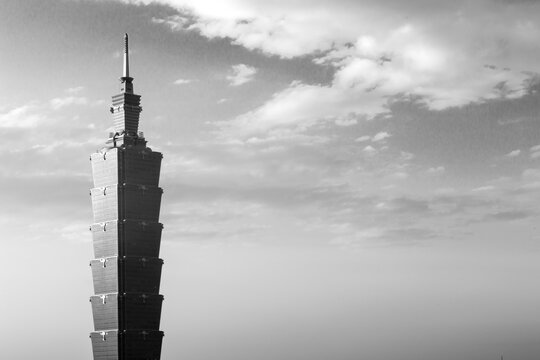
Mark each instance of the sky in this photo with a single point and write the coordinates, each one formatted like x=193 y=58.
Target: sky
x=342 y=179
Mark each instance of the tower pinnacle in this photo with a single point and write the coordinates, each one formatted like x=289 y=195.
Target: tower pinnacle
x=126 y=57
x=126 y=80
x=126 y=105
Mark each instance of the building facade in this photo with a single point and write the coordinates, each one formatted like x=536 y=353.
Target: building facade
x=126 y=235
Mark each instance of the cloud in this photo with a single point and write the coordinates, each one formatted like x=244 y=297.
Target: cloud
x=301 y=105
x=183 y=81
x=411 y=234
x=405 y=205
x=362 y=138
x=362 y=88
x=359 y=236
x=535 y=152
x=58 y=103
x=406 y=156
x=531 y=179
x=484 y=188
x=510 y=215
x=215 y=219
x=369 y=150
x=75 y=90
x=289 y=30
x=513 y=153
x=47 y=148
x=398 y=235
x=378 y=50
x=174 y=22
x=241 y=74
x=380 y=136
x=333 y=188
x=25 y=116
x=346 y=121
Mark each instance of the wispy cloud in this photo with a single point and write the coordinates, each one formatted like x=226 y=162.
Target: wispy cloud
x=535 y=152
x=25 y=116
x=174 y=22
x=484 y=188
x=380 y=136
x=510 y=215
x=513 y=153
x=370 y=150
x=300 y=106
x=241 y=74
x=58 y=103
x=75 y=90
x=362 y=138
x=531 y=178
x=183 y=81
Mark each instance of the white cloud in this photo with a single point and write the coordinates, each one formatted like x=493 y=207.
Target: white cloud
x=535 y=152
x=370 y=150
x=241 y=74
x=531 y=174
x=75 y=90
x=291 y=29
x=418 y=66
x=302 y=105
x=406 y=156
x=175 y=22
x=346 y=121
x=25 y=116
x=183 y=81
x=362 y=138
x=484 y=188
x=380 y=136
x=47 y=148
x=370 y=233
x=377 y=51
x=58 y=103
x=400 y=175
x=531 y=178
x=513 y=153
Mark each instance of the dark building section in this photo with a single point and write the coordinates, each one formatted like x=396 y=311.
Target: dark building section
x=126 y=236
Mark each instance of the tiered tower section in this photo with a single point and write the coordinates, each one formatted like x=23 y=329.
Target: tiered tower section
x=126 y=236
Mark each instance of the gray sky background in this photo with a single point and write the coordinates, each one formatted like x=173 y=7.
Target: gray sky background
x=343 y=179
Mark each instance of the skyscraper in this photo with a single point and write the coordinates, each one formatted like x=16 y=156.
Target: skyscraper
x=126 y=236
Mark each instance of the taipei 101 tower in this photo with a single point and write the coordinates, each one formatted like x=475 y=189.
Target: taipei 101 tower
x=126 y=235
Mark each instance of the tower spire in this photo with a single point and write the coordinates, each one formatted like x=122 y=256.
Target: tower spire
x=126 y=57
x=126 y=80
x=126 y=105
